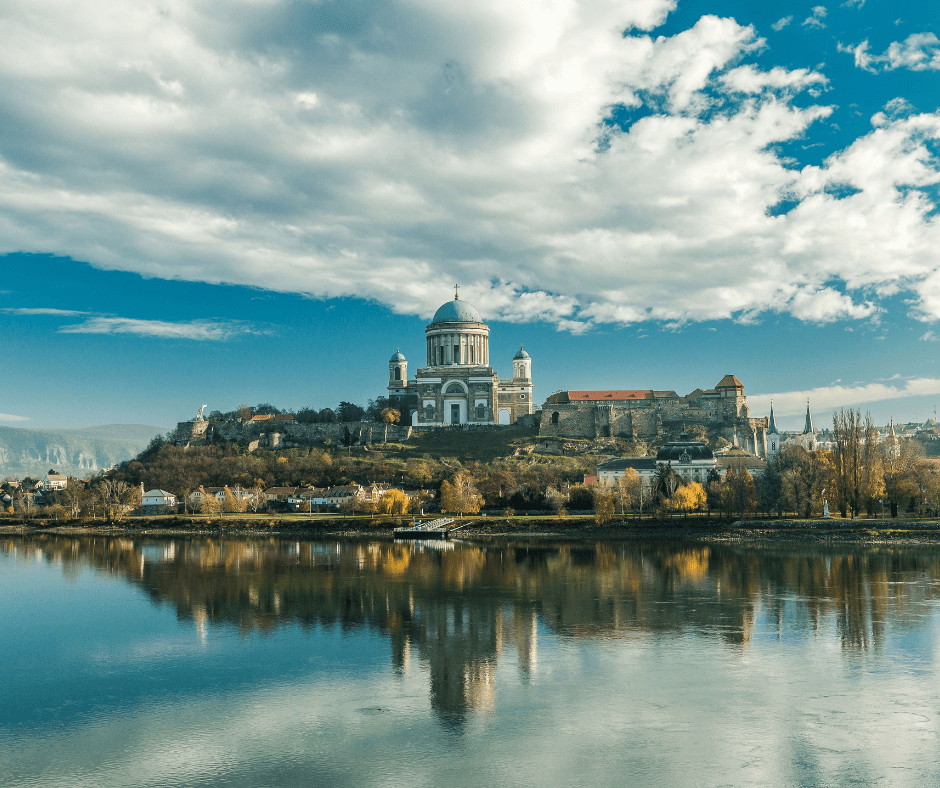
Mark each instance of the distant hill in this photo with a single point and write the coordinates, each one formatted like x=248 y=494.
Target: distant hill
x=81 y=452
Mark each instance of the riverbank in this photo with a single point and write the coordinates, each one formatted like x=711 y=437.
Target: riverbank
x=578 y=527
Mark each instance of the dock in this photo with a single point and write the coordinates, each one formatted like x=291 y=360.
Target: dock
x=440 y=528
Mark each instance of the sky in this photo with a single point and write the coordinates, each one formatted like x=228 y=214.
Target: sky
x=207 y=202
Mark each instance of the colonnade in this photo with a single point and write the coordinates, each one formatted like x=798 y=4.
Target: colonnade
x=468 y=349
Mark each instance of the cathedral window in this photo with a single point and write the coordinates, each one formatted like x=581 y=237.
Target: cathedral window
x=481 y=411
x=456 y=354
x=397 y=373
x=454 y=388
x=555 y=417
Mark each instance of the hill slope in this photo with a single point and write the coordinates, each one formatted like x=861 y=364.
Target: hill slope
x=81 y=452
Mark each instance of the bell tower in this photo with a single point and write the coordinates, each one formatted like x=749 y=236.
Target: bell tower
x=397 y=373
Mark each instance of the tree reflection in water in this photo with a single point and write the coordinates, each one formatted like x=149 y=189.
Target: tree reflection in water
x=461 y=608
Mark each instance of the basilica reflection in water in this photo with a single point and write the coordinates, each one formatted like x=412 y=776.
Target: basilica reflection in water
x=461 y=609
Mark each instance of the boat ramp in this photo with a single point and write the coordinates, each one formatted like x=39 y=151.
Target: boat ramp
x=440 y=528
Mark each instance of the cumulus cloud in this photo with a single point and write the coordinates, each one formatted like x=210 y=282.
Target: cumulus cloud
x=11 y=417
x=387 y=150
x=782 y=23
x=193 y=329
x=918 y=52
x=817 y=17
x=749 y=79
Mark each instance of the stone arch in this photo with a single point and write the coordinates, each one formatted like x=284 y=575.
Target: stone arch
x=504 y=417
x=455 y=387
x=555 y=417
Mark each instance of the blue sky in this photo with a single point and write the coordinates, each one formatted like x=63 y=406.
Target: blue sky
x=206 y=202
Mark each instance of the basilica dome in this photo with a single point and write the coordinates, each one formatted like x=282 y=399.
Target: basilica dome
x=521 y=354
x=456 y=311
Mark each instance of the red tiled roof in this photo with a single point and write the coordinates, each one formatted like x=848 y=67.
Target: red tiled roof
x=729 y=381
x=582 y=396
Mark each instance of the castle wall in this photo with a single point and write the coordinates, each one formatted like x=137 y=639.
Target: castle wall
x=646 y=419
x=285 y=434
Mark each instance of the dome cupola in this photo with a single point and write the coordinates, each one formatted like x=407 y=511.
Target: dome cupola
x=457 y=336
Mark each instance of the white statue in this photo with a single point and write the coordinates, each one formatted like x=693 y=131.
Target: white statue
x=199 y=415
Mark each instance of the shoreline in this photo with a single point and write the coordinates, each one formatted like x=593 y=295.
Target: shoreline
x=706 y=530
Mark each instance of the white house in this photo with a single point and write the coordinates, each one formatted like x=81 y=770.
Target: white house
x=54 y=481
x=158 y=499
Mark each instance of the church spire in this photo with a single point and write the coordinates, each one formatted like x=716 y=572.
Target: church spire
x=808 y=429
x=772 y=428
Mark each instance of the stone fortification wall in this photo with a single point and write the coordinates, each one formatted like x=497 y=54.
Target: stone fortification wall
x=285 y=434
x=649 y=419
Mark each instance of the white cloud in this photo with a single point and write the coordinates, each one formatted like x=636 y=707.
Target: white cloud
x=749 y=79
x=929 y=336
x=918 y=52
x=11 y=417
x=782 y=23
x=824 y=399
x=357 y=156
x=194 y=329
x=42 y=311
x=816 y=20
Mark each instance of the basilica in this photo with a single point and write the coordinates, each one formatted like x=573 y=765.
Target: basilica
x=458 y=385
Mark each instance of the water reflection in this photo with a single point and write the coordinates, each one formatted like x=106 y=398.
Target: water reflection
x=461 y=609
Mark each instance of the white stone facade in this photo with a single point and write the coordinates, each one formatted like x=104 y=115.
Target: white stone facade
x=458 y=385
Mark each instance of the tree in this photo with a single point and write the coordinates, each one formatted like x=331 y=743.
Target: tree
x=115 y=495
x=805 y=473
x=689 y=497
x=712 y=490
x=256 y=499
x=739 y=494
x=902 y=475
x=72 y=496
x=603 y=503
x=460 y=495
x=628 y=490
x=665 y=483
x=348 y=412
x=389 y=416
x=556 y=499
x=846 y=458
x=770 y=487
x=393 y=502
x=233 y=503
x=209 y=504
x=873 y=486
x=376 y=406
x=244 y=412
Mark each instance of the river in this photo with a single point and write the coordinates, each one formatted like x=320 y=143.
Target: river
x=277 y=662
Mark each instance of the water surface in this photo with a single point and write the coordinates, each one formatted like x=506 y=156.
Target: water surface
x=273 y=662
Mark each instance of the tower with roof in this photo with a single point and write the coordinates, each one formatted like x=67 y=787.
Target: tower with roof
x=458 y=385
x=807 y=439
x=773 y=435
